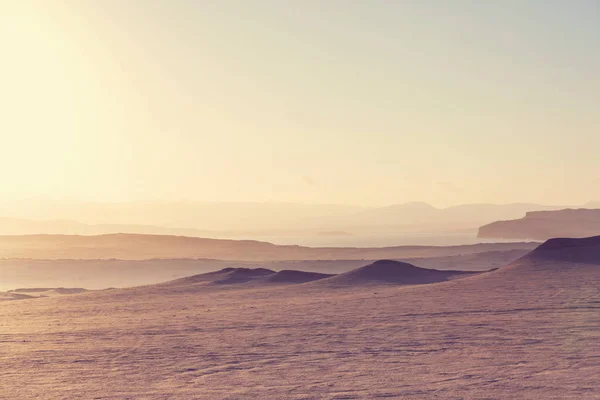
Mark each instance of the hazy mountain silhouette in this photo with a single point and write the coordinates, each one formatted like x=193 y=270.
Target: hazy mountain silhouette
x=139 y=247
x=455 y=217
x=542 y=225
x=19 y=226
x=231 y=218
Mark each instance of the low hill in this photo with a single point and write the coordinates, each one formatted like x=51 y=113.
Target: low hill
x=139 y=247
x=246 y=276
x=581 y=251
x=100 y=274
x=291 y=276
x=224 y=276
x=7 y=296
x=542 y=225
x=392 y=272
x=32 y=293
x=556 y=260
x=45 y=292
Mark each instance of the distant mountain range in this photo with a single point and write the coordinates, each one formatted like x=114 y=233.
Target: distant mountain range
x=17 y=226
x=426 y=216
x=542 y=225
x=140 y=247
x=231 y=220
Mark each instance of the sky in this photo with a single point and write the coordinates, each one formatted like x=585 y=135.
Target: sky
x=347 y=102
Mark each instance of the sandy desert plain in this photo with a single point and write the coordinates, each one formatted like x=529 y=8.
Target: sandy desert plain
x=388 y=329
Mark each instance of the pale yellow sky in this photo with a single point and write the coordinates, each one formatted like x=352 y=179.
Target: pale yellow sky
x=351 y=102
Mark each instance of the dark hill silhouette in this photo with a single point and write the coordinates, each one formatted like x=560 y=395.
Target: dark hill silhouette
x=225 y=276
x=555 y=260
x=247 y=276
x=291 y=276
x=243 y=275
x=392 y=272
x=583 y=251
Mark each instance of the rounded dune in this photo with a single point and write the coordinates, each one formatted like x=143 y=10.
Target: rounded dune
x=289 y=276
x=584 y=251
x=392 y=272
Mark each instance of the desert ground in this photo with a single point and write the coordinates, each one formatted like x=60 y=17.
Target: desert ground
x=529 y=330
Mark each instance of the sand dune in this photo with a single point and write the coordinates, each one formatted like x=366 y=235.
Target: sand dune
x=229 y=275
x=44 y=292
x=586 y=250
x=379 y=272
x=245 y=276
x=7 y=296
x=242 y=275
x=554 y=260
x=32 y=293
x=292 y=276
x=100 y=274
x=392 y=272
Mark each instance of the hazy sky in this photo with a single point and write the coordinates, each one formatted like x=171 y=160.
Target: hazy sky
x=330 y=101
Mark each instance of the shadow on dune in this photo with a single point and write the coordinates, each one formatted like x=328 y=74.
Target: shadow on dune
x=393 y=273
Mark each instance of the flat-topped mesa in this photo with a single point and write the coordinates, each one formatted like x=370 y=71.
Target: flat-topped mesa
x=583 y=251
x=567 y=213
x=543 y=225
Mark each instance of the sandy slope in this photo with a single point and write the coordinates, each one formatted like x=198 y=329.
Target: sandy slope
x=30 y=293
x=391 y=272
x=528 y=331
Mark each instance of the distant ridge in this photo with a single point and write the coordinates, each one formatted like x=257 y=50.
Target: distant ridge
x=392 y=272
x=235 y=218
x=143 y=247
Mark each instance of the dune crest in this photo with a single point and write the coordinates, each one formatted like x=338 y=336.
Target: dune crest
x=392 y=272
x=293 y=276
x=248 y=276
x=578 y=251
